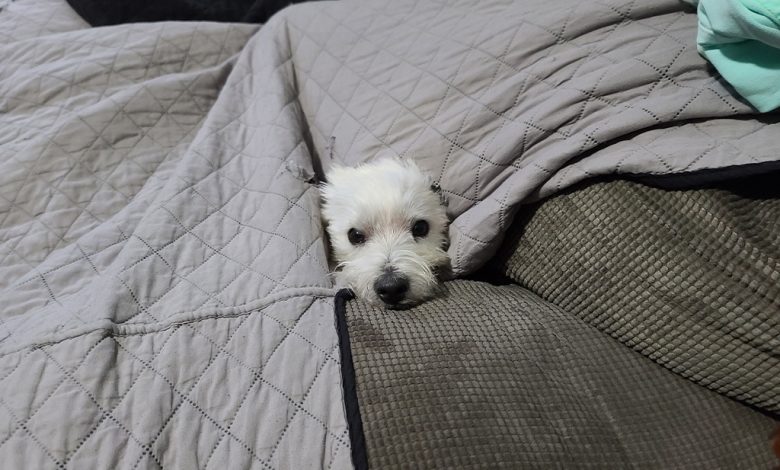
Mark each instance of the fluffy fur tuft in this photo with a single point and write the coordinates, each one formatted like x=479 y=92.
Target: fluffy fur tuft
x=382 y=201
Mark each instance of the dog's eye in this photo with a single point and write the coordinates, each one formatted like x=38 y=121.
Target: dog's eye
x=356 y=237
x=420 y=229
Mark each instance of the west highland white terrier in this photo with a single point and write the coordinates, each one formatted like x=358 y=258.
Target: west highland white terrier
x=388 y=228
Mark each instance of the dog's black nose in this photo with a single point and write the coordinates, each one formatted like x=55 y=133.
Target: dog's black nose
x=391 y=287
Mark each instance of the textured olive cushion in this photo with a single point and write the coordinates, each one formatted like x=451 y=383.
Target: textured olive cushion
x=489 y=377
x=689 y=278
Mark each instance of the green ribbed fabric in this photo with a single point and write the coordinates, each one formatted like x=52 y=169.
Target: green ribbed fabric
x=495 y=377
x=690 y=279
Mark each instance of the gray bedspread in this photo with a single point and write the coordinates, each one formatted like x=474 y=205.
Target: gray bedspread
x=165 y=296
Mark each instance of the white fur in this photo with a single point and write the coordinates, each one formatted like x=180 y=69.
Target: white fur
x=383 y=199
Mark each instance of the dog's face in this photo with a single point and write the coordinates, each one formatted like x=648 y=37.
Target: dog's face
x=388 y=229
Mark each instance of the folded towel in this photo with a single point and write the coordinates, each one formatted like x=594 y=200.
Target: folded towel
x=741 y=38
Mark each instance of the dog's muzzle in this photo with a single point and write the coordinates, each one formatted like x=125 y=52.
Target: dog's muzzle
x=391 y=287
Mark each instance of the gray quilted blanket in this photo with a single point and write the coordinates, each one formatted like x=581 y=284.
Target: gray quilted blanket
x=165 y=297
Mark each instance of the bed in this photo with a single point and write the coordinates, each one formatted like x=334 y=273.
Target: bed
x=166 y=297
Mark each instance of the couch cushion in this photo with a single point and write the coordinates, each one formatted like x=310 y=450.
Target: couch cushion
x=490 y=376
x=689 y=278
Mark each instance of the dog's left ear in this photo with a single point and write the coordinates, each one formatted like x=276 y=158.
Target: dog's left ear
x=436 y=188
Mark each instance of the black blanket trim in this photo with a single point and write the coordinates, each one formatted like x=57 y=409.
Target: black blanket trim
x=111 y=12
x=354 y=421
x=708 y=177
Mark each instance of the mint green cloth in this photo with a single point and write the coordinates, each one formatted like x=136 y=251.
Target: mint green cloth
x=741 y=38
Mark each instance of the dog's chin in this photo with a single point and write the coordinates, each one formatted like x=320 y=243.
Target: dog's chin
x=370 y=297
x=405 y=304
x=399 y=307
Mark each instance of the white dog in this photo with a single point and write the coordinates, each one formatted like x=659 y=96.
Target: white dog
x=388 y=228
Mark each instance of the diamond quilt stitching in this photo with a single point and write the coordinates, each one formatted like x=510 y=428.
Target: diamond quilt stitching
x=148 y=196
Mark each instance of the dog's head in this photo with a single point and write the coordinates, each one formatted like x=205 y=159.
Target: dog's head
x=388 y=228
